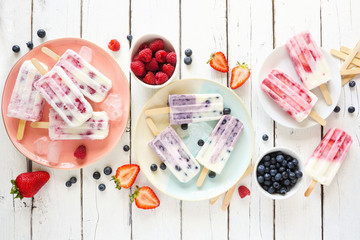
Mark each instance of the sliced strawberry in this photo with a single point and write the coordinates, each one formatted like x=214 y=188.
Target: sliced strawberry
x=243 y=191
x=126 y=175
x=218 y=62
x=239 y=75
x=145 y=198
x=28 y=184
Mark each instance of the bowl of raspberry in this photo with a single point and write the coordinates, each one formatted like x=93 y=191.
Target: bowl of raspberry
x=153 y=61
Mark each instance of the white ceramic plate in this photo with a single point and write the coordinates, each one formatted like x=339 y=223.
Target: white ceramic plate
x=280 y=59
x=164 y=180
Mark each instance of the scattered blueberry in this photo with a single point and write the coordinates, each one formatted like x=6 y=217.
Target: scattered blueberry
x=271 y=190
x=129 y=37
x=126 y=148
x=41 y=33
x=212 y=174
x=278 y=176
x=337 y=109
x=96 y=175
x=16 y=48
x=352 y=83
x=265 y=137
x=30 y=44
x=188 y=52
x=187 y=60
x=153 y=167
x=261 y=169
x=227 y=111
x=102 y=187
x=68 y=184
x=162 y=166
x=351 y=109
x=260 y=179
x=107 y=170
x=73 y=180
x=201 y=142
x=184 y=126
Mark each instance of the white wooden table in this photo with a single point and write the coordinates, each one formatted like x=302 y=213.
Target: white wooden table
x=245 y=30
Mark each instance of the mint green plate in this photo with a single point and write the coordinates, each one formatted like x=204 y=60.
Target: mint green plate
x=237 y=163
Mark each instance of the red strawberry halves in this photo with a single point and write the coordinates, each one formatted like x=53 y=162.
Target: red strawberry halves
x=239 y=75
x=145 y=198
x=218 y=62
x=126 y=175
x=28 y=184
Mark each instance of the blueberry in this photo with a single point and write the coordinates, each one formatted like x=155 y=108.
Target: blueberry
x=273 y=154
x=298 y=174
x=288 y=158
x=281 y=169
x=201 y=142
x=96 y=175
x=278 y=177
x=279 y=158
x=284 y=163
x=278 y=165
x=293 y=181
x=273 y=160
x=337 y=109
x=68 y=184
x=273 y=172
x=290 y=165
x=265 y=187
x=292 y=175
x=265 y=137
x=187 y=60
x=286 y=182
x=30 y=44
x=260 y=179
x=267 y=176
x=288 y=188
x=73 y=180
x=351 y=109
x=285 y=175
x=153 y=167
x=282 y=190
x=295 y=162
x=271 y=190
x=273 y=179
x=126 y=148
x=107 y=170
x=129 y=37
x=272 y=166
x=267 y=170
x=227 y=111
x=184 y=126
x=212 y=174
x=162 y=166
x=41 y=33
x=261 y=169
x=352 y=84
x=267 y=164
x=188 y=52
x=276 y=185
x=267 y=158
x=16 y=48
x=102 y=187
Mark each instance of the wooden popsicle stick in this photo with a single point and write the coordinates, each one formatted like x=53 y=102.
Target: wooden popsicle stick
x=39 y=124
x=351 y=56
x=202 y=176
x=230 y=192
x=50 y=53
x=157 y=111
x=152 y=126
x=317 y=118
x=325 y=92
x=213 y=200
x=310 y=188
x=21 y=129
x=352 y=71
x=38 y=66
x=343 y=56
x=348 y=51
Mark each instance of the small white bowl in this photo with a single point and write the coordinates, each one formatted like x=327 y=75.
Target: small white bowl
x=295 y=188
x=168 y=46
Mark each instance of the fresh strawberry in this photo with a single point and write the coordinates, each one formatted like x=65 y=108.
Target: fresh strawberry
x=149 y=78
x=126 y=175
x=243 y=191
x=145 y=55
x=156 y=45
x=28 y=184
x=239 y=75
x=218 y=62
x=138 y=68
x=114 y=45
x=145 y=198
x=171 y=58
x=161 y=78
x=168 y=69
x=152 y=65
x=80 y=152
x=142 y=47
x=160 y=56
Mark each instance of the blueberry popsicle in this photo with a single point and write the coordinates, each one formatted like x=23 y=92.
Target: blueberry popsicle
x=327 y=158
x=189 y=108
x=309 y=63
x=91 y=82
x=218 y=147
x=169 y=147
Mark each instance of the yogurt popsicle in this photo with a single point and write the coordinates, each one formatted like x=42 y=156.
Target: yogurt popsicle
x=173 y=152
x=64 y=97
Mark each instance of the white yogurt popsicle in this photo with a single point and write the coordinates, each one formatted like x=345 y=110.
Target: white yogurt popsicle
x=173 y=152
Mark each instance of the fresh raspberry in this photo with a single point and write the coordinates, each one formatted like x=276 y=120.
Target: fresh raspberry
x=145 y=55
x=161 y=78
x=149 y=78
x=160 y=56
x=114 y=45
x=157 y=45
x=80 y=152
x=138 y=68
x=171 y=58
x=168 y=69
x=136 y=58
x=142 y=47
x=152 y=65
x=243 y=191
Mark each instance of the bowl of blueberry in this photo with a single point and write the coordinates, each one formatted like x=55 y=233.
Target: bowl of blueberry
x=278 y=173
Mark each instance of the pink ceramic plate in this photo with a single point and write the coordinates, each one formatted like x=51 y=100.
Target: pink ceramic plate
x=96 y=149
